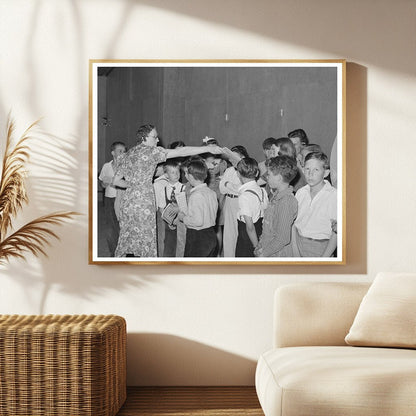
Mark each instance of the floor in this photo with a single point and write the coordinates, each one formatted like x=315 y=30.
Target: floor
x=191 y=401
x=183 y=401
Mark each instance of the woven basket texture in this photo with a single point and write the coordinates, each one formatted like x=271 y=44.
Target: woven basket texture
x=54 y=365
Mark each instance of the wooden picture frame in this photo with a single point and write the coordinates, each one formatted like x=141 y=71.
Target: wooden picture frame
x=237 y=102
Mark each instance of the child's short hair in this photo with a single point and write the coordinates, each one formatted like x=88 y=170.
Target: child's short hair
x=318 y=156
x=115 y=144
x=268 y=143
x=198 y=169
x=193 y=158
x=301 y=134
x=284 y=166
x=248 y=168
x=241 y=150
x=286 y=147
x=312 y=148
x=175 y=145
x=171 y=163
x=190 y=159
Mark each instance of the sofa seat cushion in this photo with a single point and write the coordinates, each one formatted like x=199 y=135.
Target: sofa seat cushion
x=342 y=380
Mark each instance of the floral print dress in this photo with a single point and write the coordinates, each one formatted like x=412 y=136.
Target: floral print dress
x=138 y=207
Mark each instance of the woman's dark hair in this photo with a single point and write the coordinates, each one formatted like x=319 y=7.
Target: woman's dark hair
x=241 y=150
x=143 y=132
x=248 y=168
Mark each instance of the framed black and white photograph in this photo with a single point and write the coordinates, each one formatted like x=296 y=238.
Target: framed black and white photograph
x=217 y=162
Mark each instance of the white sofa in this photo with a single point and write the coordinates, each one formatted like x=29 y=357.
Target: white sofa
x=311 y=371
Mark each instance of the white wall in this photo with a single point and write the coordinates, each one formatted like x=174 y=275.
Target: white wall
x=204 y=325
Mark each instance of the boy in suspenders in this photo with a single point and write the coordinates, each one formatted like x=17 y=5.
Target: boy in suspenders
x=166 y=189
x=252 y=201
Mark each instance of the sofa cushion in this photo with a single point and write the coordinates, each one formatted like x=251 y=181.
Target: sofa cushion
x=387 y=314
x=315 y=314
x=304 y=381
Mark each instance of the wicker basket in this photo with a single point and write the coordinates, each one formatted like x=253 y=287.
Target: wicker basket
x=71 y=365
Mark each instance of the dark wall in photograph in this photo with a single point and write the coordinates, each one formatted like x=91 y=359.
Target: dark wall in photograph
x=239 y=105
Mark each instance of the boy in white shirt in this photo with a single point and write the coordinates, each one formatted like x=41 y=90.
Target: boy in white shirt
x=110 y=193
x=252 y=201
x=167 y=187
x=313 y=235
x=201 y=239
x=229 y=185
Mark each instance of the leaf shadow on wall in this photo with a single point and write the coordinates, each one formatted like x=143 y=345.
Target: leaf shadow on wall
x=67 y=13
x=64 y=191
x=163 y=359
x=59 y=179
x=343 y=21
x=336 y=27
x=53 y=186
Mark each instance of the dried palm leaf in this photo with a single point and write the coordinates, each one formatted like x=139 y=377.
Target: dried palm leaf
x=32 y=237
x=12 y=183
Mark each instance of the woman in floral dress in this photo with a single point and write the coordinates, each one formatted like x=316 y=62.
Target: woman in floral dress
x=138 y=208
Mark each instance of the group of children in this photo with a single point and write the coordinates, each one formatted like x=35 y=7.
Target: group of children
x=232 y=206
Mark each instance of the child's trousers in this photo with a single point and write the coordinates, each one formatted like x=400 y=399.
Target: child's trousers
x=244 y=246
x=201 y=243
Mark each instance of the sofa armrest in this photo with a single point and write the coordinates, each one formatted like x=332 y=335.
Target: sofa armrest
x=308 y=314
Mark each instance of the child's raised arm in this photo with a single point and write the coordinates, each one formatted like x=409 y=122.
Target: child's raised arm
x=233 y=157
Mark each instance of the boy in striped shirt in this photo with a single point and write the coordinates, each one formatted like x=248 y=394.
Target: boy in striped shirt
x=280 y=214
